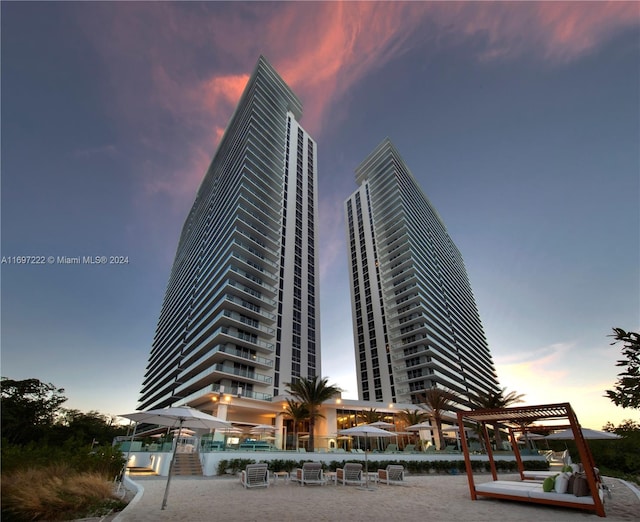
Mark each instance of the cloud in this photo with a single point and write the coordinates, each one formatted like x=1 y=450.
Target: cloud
x=177 y=70
x=555 y=32
x=537 y=374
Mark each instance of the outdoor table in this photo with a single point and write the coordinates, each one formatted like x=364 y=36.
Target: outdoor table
x=283 y=474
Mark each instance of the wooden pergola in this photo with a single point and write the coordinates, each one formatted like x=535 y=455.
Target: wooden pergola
x=521 y=420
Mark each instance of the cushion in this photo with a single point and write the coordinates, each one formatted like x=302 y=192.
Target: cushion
x=581 y=486
x=561 y=484
x=572 y=478
x=548 y=484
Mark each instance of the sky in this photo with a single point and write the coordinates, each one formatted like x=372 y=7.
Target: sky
x=520 y=121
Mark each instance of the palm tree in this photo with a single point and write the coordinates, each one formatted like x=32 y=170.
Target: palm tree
x=370 y=416
x=497 y=400
x=311 y=393
x=410 y=417
x=298 y=413
x=438 y=400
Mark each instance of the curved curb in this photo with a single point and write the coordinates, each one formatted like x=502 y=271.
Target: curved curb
x=128 y=483
x=632 y=487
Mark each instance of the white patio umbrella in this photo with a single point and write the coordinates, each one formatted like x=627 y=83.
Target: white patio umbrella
x=232 y=430
x=421 y=426
x=586 y=433
x=184 y=432
x=261 y=429
x=382 y=424
x=366 y=430
x=182 y=417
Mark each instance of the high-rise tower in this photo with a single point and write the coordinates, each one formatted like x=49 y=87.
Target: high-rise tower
x=241 y=309
x=415 y=320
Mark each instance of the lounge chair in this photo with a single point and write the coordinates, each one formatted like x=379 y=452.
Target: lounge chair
x=310 y=473
x=409 y=448
x=391 y=448
x=350 y=474
x=393 y=474
x=255 y=476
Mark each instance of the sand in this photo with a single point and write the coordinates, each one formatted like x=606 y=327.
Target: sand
x=431 y=497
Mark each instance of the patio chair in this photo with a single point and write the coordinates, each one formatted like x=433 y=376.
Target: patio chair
x=350 y=474
x=391 y=448
x=255 y=476
x=393 y=474
x=409 y=448
x=310 y=473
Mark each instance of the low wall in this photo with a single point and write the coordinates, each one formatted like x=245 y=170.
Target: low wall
x=159 y=461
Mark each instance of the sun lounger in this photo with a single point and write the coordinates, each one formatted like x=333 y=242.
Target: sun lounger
x=350 y=474
x=255 y=476
x=393 y=474
x=309 y=473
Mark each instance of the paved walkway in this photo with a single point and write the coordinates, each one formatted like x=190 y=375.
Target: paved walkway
x=433 y=497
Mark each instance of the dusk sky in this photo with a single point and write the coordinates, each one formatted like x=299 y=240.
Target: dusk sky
x=520 y=122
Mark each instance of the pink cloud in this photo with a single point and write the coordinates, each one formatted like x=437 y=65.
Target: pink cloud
x=323 y=50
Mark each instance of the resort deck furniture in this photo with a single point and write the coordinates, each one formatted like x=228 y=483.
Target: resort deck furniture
x=284 y=475
x=518 y=420
x=255 y=446
x=409 y=448
x=393 y=474
x=350 y=474
x=391 y=448
x=309 y=473
x=255 y=476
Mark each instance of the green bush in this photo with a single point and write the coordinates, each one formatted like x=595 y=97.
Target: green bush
x=105 y=460
x=233 y=466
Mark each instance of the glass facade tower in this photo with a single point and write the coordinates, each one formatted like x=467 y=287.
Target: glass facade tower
x=415 y=320
x=241 y=310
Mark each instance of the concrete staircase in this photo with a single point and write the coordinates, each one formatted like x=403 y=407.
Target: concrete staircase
x=187 y=464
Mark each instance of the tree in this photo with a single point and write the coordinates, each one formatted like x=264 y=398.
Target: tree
x=437 y=401
x=626 y=392
x=627 y=426
x=410 y=417
x=92 y=428
x=312 y=392
x=497 y=400
x=298 y=413
x=370 y=416
x=29 y=408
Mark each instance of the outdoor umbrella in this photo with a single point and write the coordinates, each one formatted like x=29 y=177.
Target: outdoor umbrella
x=382 y=424
x=261 y=429
x=586 y=433
x=181 y=417
x=422 y=426
x=366 y=430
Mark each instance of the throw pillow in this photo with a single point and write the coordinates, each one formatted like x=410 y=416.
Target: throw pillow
x=548 y=484
x=562 y=482
x=581 y=486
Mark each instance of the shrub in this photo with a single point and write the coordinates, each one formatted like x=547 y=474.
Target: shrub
x=233 y=466
x=56 y=493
